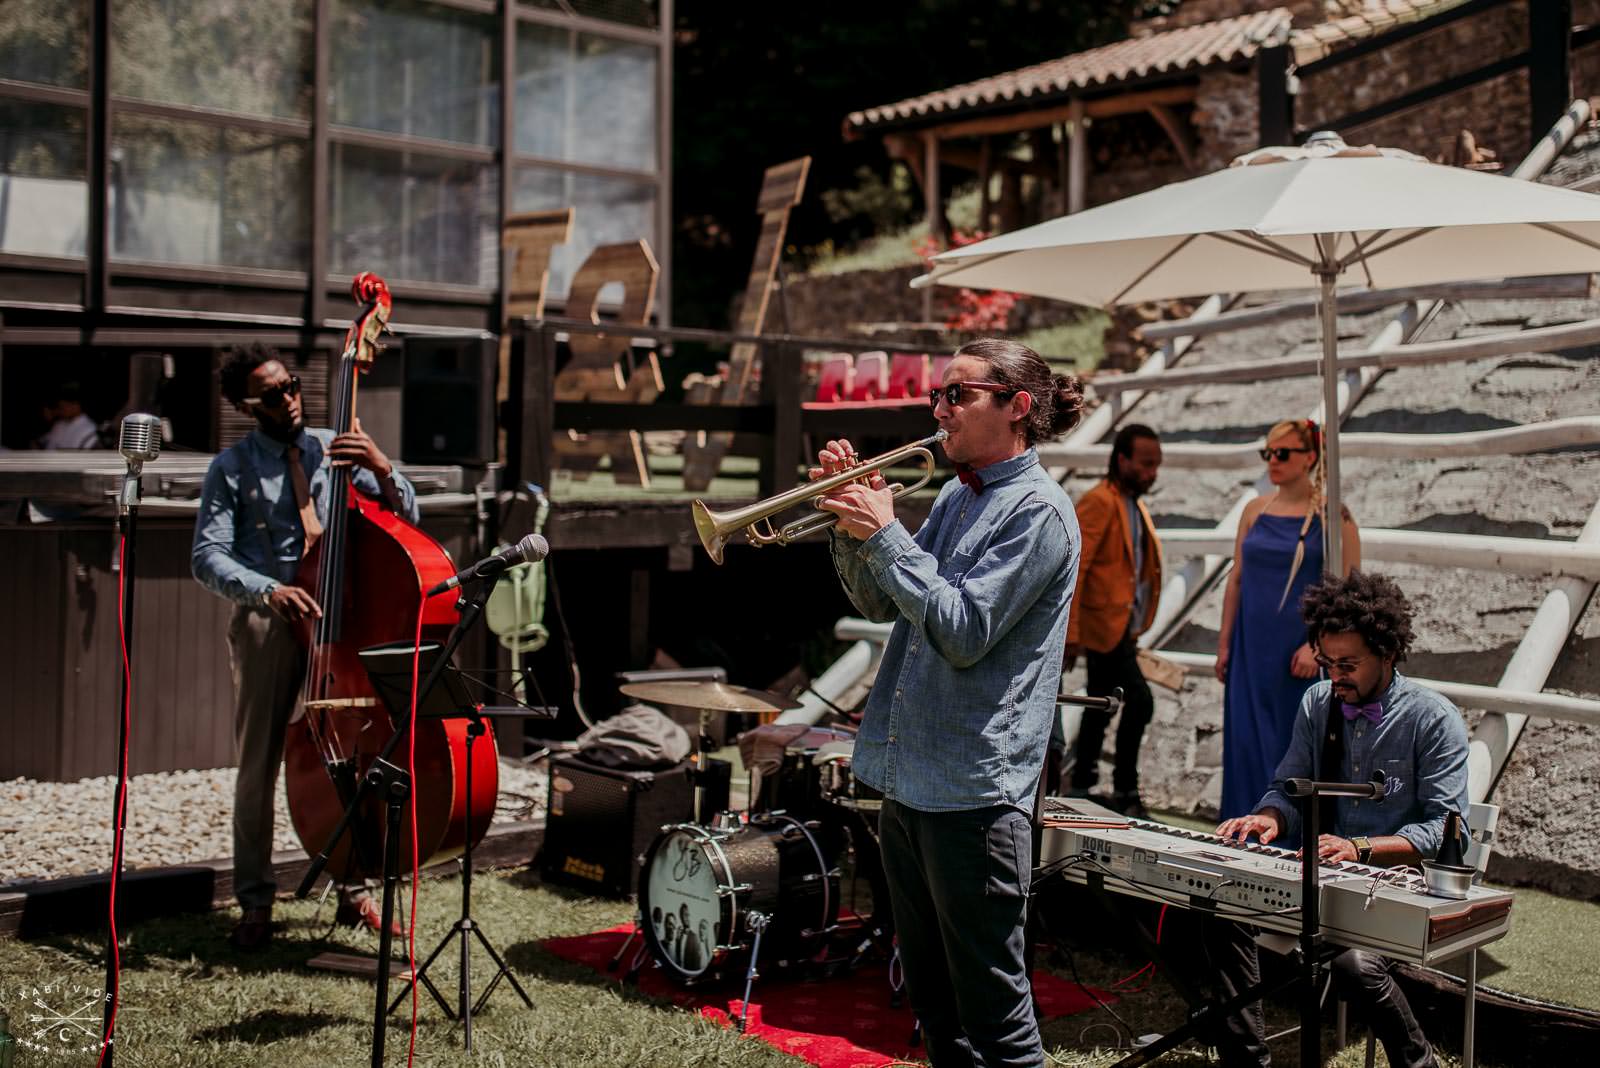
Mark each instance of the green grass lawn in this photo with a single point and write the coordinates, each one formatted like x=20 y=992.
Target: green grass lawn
x=189 y=1000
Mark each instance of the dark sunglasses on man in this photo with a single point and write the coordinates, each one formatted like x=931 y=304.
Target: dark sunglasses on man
x=1281 y=454
x=952 y=393
x=274 y=396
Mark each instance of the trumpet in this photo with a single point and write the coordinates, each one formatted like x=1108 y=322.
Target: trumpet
x=716 y=528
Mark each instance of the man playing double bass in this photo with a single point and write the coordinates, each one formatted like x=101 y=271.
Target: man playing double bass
x=264 y=503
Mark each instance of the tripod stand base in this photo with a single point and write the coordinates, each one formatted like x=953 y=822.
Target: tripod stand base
x=463 y=928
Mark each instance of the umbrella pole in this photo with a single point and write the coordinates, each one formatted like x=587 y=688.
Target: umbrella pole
x=1332 y=516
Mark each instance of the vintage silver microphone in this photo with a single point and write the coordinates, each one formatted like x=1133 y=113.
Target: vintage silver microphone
x=139 y=443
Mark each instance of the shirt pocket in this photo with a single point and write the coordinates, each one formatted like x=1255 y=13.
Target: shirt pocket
x=1399 y=781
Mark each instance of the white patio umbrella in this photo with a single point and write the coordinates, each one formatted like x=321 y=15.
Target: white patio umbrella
x=1322 y=215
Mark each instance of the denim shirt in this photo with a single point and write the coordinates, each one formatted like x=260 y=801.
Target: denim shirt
x=1420 y=745
x=959 y=716
x=230 y=556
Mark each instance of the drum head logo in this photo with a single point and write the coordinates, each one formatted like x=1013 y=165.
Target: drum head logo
x=684 y=909
x=56 y=1019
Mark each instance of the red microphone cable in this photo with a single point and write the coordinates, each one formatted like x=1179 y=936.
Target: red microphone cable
x=122 y=793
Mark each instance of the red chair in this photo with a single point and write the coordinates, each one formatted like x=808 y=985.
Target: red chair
x=908 y=375
x=836 y=379
x=872 y=376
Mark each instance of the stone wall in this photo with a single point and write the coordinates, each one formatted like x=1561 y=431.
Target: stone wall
x=1495 y=111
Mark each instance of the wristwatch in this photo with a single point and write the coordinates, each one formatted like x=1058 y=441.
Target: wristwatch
x=1363 y=848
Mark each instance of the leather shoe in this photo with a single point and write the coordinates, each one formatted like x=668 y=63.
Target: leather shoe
x=1129 y=804
x=364 y=912
x=253 y=931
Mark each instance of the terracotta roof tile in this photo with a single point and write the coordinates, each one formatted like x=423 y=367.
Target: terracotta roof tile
x=1190 y=48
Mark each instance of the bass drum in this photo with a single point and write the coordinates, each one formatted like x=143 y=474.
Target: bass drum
x=704 y=893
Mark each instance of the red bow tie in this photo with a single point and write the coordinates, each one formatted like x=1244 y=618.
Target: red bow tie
x=969 y=478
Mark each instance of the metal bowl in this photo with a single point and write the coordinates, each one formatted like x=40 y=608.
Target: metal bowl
x=1447 y=880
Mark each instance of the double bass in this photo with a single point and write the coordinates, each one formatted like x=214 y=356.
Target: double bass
x=369 y=572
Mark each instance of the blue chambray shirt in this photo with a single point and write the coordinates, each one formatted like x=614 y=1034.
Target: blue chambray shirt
x=230 y=556
x=1420 y=745
x=960 y=715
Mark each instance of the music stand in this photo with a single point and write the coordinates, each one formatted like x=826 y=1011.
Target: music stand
x=390 y=669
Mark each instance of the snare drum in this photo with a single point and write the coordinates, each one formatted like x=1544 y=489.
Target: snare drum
x=703 y=894
x=839 y=785
x=796 y=787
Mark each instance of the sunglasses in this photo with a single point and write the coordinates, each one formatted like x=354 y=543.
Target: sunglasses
x=1340 y=667
x=952 y=393
x=274 y=396
x=1282 y=455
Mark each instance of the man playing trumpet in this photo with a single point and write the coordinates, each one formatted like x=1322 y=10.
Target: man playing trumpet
x=956 y=726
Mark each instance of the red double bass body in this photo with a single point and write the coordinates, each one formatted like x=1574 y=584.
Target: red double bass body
x=369 y=571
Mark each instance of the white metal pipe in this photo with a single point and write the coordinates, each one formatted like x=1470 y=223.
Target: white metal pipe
x=1184 y=588
x=1502 y=441
x=1519 y=556
x=1494 y=699
x=1450 y=350
x=844 y=673
x=1530 y=666
x=1103 y=418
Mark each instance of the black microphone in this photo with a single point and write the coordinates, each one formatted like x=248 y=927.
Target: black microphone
x=1380 y=788
x=530 y=549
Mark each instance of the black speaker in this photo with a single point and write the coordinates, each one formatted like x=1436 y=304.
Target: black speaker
x=448 y=407
x=602 y=820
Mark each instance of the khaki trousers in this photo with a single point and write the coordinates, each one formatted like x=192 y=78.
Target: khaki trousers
x=267 y=667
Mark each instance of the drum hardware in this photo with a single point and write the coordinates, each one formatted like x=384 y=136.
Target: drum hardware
x=758 y=923
x=716 y=528
x=708 y=697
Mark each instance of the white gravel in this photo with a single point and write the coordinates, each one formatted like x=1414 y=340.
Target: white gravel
x=53 y=829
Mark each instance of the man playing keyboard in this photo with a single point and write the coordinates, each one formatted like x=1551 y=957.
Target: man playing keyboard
x=1363 y=718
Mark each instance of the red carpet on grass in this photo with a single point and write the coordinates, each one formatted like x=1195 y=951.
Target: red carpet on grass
x=844 y=1022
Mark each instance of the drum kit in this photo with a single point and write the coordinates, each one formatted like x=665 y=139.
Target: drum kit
x=733 y=890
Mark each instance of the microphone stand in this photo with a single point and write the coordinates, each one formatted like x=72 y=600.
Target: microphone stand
x=1308 y=793
x=128 y=504
x=384 y=775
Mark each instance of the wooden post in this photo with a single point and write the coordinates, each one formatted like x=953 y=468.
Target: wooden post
x=1549 y=62
x=1077 y=160
x=535 y=423
x=1274 y=104
x=781 y=389
x=1063 y=170
x=934 y=207
x=985 y=174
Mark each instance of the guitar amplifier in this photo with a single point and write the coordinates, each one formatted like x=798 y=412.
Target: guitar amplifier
x=602 y=819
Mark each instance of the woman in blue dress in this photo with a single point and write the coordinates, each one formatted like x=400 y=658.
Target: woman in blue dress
x=1263 y=660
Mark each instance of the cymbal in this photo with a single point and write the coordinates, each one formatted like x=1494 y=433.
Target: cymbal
x=709 y=696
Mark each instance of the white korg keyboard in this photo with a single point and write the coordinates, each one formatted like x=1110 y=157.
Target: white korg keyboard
x=1363 y=907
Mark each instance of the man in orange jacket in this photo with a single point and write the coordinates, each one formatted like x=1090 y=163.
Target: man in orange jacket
x=1119 y=586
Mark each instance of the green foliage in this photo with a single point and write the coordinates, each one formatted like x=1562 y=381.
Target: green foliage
x=882 y=205
x=759 y=84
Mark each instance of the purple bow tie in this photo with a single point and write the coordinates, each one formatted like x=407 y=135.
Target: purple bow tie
x=969 y=478
x=1373 y=711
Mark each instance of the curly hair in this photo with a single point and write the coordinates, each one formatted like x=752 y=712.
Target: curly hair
x=1122 y=444
x=1369 y=605
x=237 y=365
x=1057 y=399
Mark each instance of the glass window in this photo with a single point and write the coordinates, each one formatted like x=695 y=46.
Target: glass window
x=249 y=57
x=415 y=217
x=585 y=99
x=630 y=12
x=609 y=210
x=189 y=193
x=45 y=41
x=413 y=68
x=44 y=198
